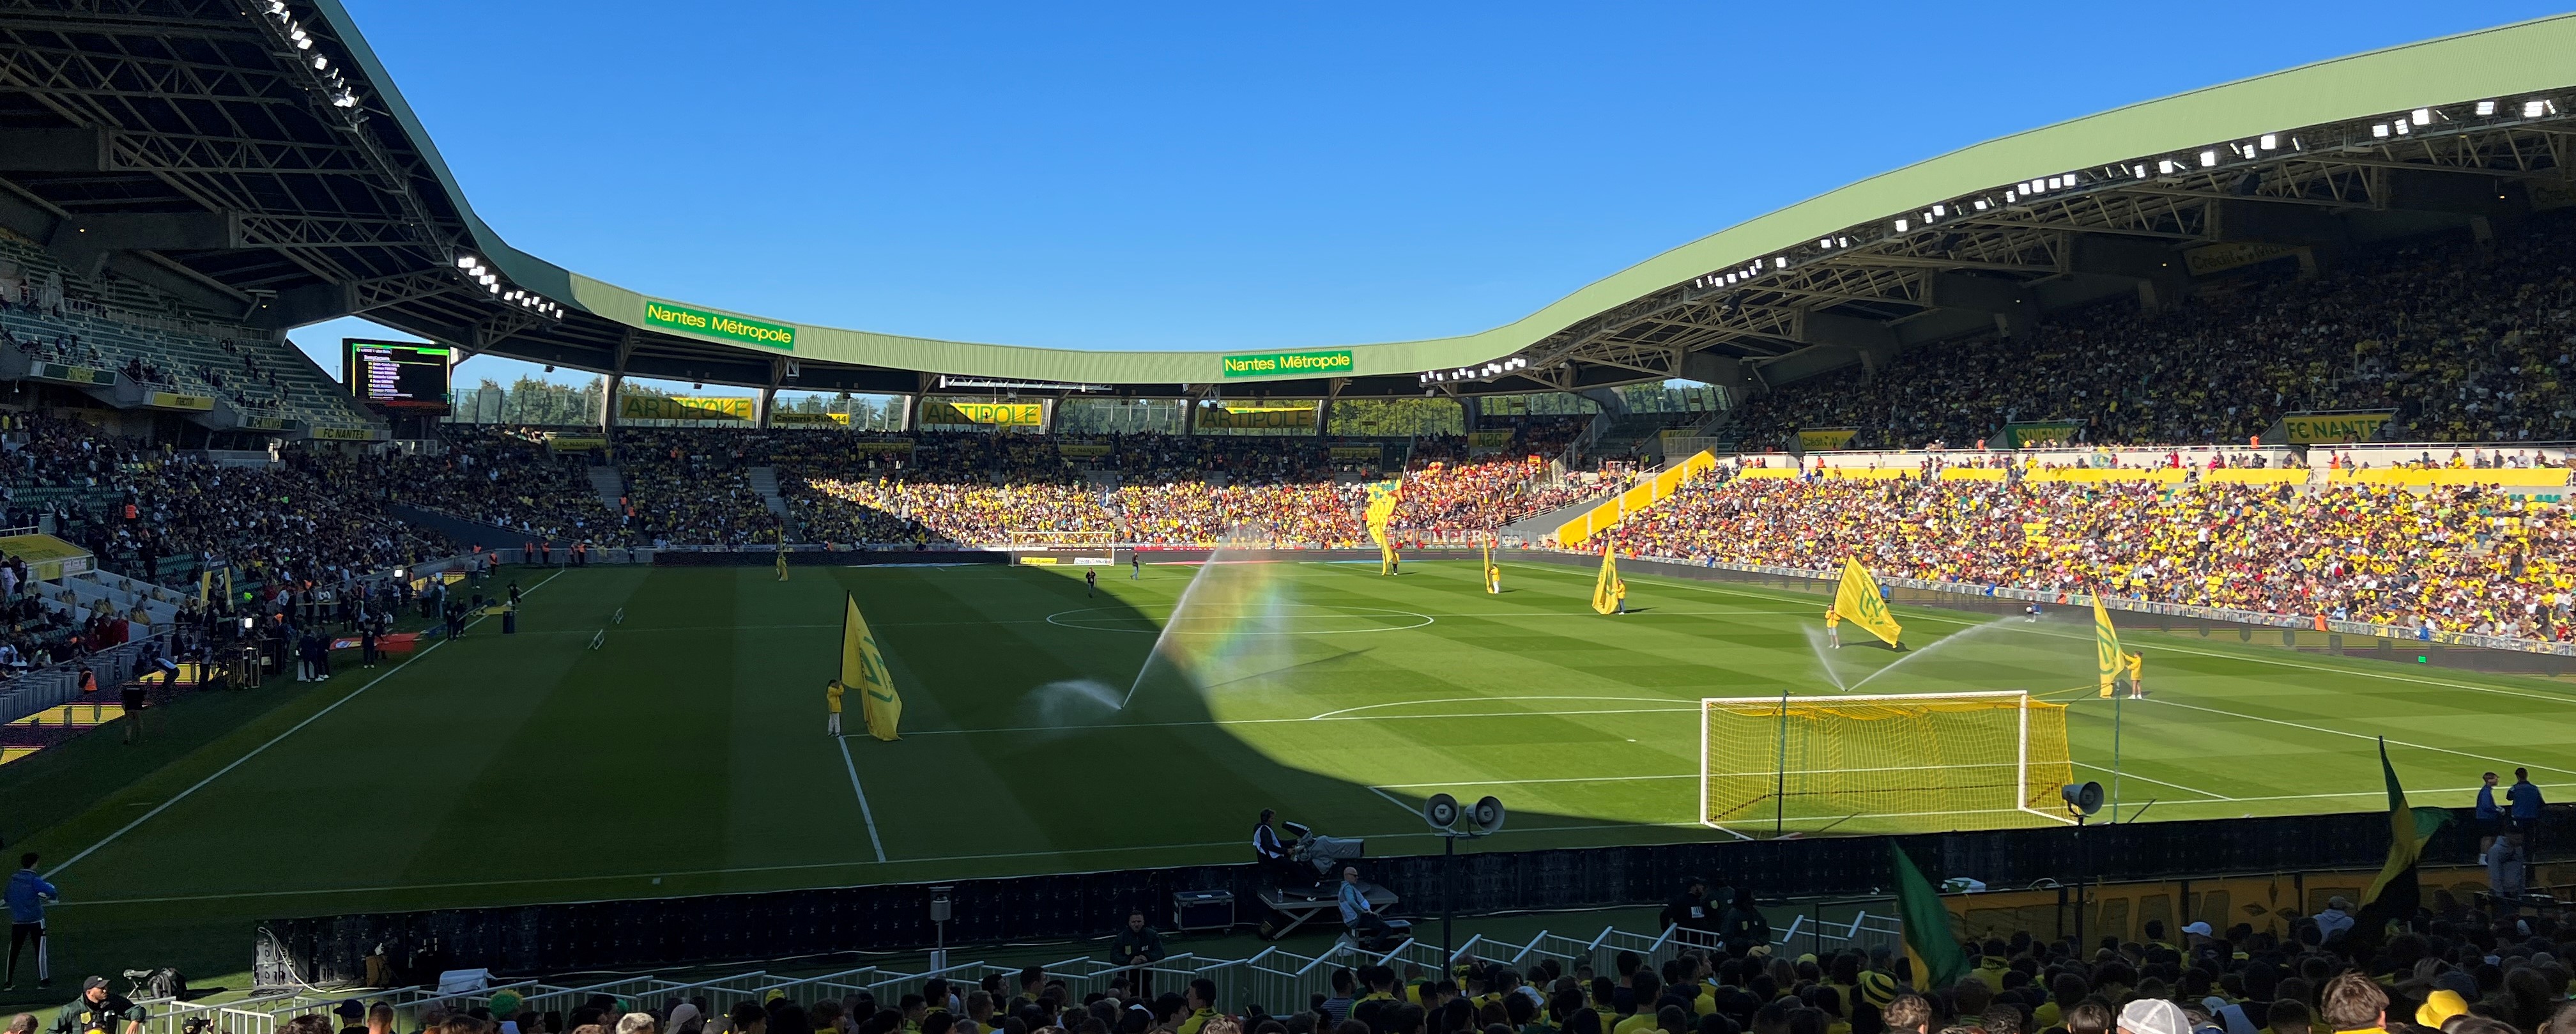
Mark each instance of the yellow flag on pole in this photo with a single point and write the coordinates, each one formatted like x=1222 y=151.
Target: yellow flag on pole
x=782 y=554
x=1609 y=589
x=1382 y=496
x=1858 y=601
x=864 y=669
x=2107 y=660
x=1493 y=574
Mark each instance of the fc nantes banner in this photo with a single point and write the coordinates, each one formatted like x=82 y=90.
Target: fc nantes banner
x=2040 y=432
x=676 y=407
x=946 y=413
x=864 y=669
x=1858 y=601
x=1825 y=439
x=2334 y=428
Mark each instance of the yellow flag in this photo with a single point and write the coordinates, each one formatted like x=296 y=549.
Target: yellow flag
x=864 y=668
x=782 y=554
x=2106 y=647
x=1382 y=496
x=1608 y=589
x=1493 y=574
x=1858 y=601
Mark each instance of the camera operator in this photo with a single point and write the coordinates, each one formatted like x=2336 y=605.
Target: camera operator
x=100 y=1011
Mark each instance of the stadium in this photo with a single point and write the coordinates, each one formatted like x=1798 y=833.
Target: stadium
x=2116 y=576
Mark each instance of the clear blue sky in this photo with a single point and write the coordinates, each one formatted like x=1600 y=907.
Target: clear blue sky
x=1222 y=175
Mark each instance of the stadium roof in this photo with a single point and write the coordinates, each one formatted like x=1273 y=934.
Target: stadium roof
x=255 y=158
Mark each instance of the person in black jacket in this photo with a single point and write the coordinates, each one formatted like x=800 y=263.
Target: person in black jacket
x=1743 y=926
x=1138 y=945
x=1691 y=912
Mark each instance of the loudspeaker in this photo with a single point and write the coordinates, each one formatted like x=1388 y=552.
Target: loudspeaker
x=1441 y=811
x=2082 y=798
x=1487 y=815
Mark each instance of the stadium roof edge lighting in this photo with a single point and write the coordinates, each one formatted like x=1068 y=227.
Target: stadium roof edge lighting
x=1792 y=292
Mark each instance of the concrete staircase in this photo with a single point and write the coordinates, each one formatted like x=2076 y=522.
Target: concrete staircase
x=764 y=480
x=610 y=485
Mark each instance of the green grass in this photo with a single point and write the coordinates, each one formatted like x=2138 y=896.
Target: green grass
x=688 y=756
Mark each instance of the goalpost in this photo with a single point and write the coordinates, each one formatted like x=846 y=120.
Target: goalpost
x=1915 y=762
x=1064 y=547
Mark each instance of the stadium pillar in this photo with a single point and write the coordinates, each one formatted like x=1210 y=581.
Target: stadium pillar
x=768 y=401
x=1471 y=412
x=1189 y=415
x=1046 y=414
x=911 y=411
x=1323 y=414
x=608 y=402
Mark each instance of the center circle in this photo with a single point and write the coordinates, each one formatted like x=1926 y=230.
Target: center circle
x=1279 y=619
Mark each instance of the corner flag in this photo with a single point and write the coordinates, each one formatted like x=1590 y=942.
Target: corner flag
x=1857 y=600
x=2107 y=660
x=863 y=668
x=1608 y=589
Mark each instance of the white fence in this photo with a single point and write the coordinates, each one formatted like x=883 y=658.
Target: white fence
x=1277 y=979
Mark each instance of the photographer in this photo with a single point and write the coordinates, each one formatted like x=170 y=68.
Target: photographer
x=100 y=1011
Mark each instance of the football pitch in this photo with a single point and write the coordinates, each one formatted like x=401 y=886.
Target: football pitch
x=1048 y=728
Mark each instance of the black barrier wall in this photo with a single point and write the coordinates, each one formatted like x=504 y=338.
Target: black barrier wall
x=745 y=927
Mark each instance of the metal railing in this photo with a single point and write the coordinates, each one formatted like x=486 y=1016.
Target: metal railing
x=1277 y=979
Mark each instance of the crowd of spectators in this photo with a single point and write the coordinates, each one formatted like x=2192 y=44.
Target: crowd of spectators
x=507 y=478
x=2465 y=344
x=2455 y=559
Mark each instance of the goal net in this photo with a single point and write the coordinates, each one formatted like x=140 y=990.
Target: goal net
x=1922 y=762
x=1064 y=547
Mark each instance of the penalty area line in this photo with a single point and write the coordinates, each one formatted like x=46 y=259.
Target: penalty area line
x=273 y=741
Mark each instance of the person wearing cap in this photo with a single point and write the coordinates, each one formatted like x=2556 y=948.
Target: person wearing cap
x=2153 y=1016
x=99 y=1011
x=2336 y=919
x=2196 y=936
x=352 y=1014
x=2439 y=1006
x=2354 y=1003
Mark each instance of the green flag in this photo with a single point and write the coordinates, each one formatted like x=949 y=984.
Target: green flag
x=1937 y=959
x=2394 y=895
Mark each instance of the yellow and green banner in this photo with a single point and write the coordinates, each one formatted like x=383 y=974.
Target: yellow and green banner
x=789 y=416
x=954 y=413
x=684 y=407
x=48 y=558
x=2040 y=432
x=1297 y=417
x=1858 y=601
x=1825 y=439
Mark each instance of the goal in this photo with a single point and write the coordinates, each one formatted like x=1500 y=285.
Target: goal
x=1923 y=762
x=1064 y=547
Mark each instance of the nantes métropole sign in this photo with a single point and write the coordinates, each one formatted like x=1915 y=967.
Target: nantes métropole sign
x=686 y=320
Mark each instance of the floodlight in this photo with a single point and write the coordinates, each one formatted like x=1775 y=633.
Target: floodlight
x=1900 y=226
x=1938 y=211
x=2534 y=109
x=2423 y=116
x=320 y=62
x=2208 y=158
x=464 y=261
x=2164 y=167
x=2380 y=130
x=2270 y=141
x=2486 y=108
x=304 y=44
x=2402 y=127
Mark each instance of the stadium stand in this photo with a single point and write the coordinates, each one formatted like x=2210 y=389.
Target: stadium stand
x=2467 y=342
